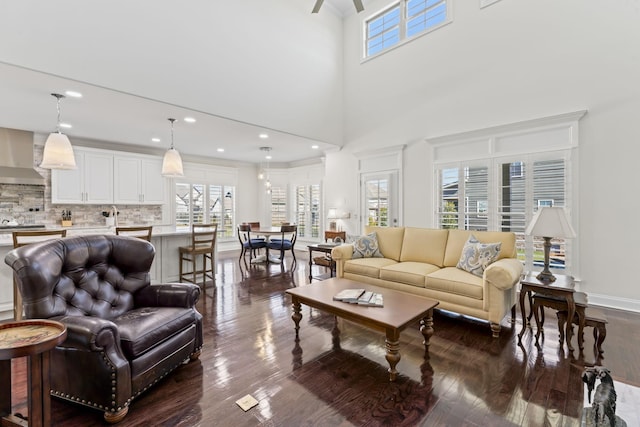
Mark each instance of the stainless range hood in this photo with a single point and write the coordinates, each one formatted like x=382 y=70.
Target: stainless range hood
x=16 y=158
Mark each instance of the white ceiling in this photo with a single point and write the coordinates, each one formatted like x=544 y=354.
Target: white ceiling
x=294 y=103
x=112 y=116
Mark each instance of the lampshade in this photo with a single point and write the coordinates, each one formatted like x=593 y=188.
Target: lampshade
x=172 y=161
x=58 y=153
x=551 y=222
x=172 y=164
x=332 y=213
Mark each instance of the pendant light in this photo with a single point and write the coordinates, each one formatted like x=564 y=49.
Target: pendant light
x=172 y=162
x=58 y=153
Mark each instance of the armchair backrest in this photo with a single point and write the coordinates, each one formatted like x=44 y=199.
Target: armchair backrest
x=92 y=275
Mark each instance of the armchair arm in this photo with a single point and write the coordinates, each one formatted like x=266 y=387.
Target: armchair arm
x=91 y=350
x=504 y=273
x=342 y=252
x=89 y=333
x=183 y=295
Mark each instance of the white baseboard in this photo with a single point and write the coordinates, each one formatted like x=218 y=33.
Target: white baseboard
x=614 y=302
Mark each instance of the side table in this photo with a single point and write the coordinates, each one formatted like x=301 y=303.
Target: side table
x=562 y=287
x=33 y=339
x=332 y=234
x=326 y=249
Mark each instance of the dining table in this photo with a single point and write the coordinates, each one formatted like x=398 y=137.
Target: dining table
x=267 y=232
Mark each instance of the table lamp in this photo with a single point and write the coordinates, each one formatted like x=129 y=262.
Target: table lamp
x=549 y=222
x=332 y=215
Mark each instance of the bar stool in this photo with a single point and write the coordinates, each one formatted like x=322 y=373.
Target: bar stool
x=203 y=242
x=22 y=238
x=141 y=232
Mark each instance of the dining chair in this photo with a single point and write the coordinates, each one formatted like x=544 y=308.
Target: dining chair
x=203 y=243
x=286 y=242
x=23 y=238
x=248 y=243
x=141 y=232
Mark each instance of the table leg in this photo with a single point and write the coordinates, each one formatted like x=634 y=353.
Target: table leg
x=335 y=334
x=297 y=314
x=581 y=324
x=5 y=387
x=39 y=401
x=310 y=264
x=535 y=309
x=523 y=313
x=392 y=342
x=571 y=311
x=426 y=327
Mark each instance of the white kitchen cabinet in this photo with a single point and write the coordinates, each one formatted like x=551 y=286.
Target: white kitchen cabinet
x=138 y=180
x=90 y=183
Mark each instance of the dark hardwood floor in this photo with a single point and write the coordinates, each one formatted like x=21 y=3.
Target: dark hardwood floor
x=467 y=379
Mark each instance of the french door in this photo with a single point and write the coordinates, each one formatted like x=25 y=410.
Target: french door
x=379 y=204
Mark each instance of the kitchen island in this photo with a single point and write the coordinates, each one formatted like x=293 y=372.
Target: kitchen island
x=165 y=268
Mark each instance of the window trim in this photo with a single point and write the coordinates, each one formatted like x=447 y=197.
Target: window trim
x=404 y=39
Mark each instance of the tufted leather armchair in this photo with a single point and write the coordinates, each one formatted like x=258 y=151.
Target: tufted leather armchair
x=123 y=334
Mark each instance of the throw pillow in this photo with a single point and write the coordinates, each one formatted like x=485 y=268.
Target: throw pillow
x=367 y=247
x=476 y=256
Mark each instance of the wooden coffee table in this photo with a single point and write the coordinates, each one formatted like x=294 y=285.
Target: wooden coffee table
x=400 y=310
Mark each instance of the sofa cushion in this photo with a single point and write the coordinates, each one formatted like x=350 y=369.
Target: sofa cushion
x=143 y=328
x=410 y=273
x=389 y=240
x=458 y=238
x=366 y=247
x=455 y=281
x=424 y=245
x=476 y=256
x=369 y=267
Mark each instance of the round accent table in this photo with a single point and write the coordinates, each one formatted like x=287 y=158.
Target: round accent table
x=33 y=339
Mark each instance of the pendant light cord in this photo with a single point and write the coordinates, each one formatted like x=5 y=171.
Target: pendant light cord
x=172 y=120
x=58 y=98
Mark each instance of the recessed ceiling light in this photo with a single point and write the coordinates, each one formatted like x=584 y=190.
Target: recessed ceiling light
x=73 y=94
x=189 y=120
x=315 y=147
x=155 y=139
x=220 y=150
x=263 y=136
x=65 y=125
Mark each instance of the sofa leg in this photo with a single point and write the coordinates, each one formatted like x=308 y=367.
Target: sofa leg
x=513 y=314
x=195 y=355
x=116 y=417
x=495 y=328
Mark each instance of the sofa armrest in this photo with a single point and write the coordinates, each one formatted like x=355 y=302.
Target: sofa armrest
x=504 y=273
x=342 y=252
x=183 y=295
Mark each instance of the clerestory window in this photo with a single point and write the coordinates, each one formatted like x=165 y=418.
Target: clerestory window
x=403 y=21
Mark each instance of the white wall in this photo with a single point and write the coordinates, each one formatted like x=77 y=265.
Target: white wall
x=510 y=62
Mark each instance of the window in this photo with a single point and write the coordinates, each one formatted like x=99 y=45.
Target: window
x=464 y=200
x=377 y=202
x=278 y=206
x=497 y=178
x=402 y=21
x=308 y=210
x=206 y=203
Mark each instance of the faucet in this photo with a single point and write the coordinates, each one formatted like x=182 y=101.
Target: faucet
x=114 y=214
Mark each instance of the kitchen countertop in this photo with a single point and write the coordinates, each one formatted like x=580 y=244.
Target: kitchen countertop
x=6 y=238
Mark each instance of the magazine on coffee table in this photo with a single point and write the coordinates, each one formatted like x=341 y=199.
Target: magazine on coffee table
x=348 y=295
x=360 y=297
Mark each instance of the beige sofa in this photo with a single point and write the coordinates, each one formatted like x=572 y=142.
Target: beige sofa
x=423 y=261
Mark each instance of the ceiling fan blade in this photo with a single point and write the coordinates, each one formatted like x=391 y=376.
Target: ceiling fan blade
x=316 y=8
x=358 y=5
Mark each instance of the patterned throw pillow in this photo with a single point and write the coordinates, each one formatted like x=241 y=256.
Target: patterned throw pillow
x=476 y=256
x=367 y=247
